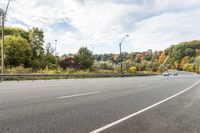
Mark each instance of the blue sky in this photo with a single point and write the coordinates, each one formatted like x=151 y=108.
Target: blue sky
x=101 y=24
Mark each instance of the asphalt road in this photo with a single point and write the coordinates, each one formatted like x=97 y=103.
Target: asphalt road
x=153 y=104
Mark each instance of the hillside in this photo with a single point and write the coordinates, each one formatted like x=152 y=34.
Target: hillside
x=183 y=56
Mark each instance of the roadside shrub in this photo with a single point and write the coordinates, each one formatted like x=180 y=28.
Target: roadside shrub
x=19 y=69
x=132 y=69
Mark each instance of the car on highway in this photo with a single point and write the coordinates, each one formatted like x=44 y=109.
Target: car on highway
x=175 y=74
x=165 y=74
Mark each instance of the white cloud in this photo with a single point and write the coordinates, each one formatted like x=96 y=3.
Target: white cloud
x=167 y=29
x=154 y=24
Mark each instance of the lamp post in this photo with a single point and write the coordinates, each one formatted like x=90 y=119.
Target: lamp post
x=56 y=47
x=3 y=16
x=120 y=50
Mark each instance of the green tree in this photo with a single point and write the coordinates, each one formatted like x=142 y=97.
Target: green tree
x=197 y=63
x=36 y=40
x=189 y=52
x=106 y=65
x=49 y=55
x=85 y=58
x=17 y=32
x=17 y=51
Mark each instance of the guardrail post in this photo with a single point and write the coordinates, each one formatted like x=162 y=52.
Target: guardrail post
x=32 y=78
x=2 y=78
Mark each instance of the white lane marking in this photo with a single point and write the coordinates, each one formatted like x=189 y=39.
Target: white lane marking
x=142 y=85
x=141 y=111
x=78 y=95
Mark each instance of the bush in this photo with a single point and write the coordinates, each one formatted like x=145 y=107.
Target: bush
x=105 y=65
x=132 y=69
x=19 y=69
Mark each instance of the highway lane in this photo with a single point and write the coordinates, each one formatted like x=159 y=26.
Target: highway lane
x=75 y=106
x=180 y=114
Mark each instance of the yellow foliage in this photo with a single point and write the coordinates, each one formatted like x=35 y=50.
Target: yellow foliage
x=184 y=61
x=132 y=69
x=188 y=67
x=18 y=70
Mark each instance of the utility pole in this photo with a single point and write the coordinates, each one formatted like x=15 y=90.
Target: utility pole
x=2 y=44
x=3 y=16
x=120 y=50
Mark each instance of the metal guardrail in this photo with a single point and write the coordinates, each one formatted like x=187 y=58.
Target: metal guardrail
x=57 y=76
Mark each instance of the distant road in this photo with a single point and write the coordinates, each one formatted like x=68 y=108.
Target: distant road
x=153 y=104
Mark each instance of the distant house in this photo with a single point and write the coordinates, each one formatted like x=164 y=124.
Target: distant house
x=69 y=62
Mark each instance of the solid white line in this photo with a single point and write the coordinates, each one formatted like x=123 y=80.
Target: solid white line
x=141 y=111
x=78 y=95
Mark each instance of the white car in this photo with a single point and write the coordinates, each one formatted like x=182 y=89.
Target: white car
x=165 y=74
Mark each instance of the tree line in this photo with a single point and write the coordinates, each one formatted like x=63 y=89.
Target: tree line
x=27 y=48
x=183 y=56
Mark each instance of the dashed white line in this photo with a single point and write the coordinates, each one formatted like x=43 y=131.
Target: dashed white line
x=78 y=95
x=141 y=111
x=142 y=85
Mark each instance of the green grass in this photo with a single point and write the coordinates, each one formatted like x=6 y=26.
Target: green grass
x=21 y=70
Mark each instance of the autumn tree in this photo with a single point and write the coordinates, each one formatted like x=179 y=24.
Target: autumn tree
x=162 y=58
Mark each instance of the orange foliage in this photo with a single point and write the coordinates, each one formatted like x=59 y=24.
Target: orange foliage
x=162 y=58
x=185 y=60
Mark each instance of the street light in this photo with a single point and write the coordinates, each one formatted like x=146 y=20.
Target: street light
x=120 y=50
x=3 y=16
x=56 y=47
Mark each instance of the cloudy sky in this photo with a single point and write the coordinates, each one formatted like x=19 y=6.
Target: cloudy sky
x=101 y=24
